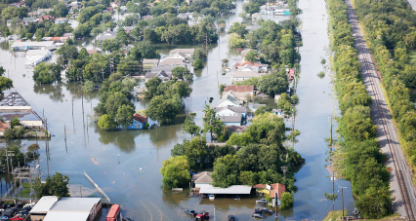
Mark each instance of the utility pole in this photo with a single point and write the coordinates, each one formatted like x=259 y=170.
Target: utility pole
x=276 y=202
x=342 y=194
x=333 y=190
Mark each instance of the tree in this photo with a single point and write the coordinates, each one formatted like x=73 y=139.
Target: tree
x=226 y=171
x=239 y=29
x=175 y=172
x=199 y=53
x=88 y=86
x=248 y=178
x=47 y=73
x=272 y=84
x=286 y=201
x=178 y=150
x=212 y=123
x=162 y=110
x=251 y=56
x=189 y=125
x=55 y=186
x=111 y=45
x=122 y=36
x=179 y=72
x=39 y=34
x=106 y=122
x=198 y=64
x=152 y=85
x=14 y=122
x=5 y=84
x=124 y=116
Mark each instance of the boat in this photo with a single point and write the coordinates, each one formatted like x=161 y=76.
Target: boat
x=85 y=43
x=212 y=197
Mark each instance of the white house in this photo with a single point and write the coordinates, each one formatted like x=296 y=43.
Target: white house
x=244 y=75
x=34 y=57
x=230 y=100
x=251 y=66
x=232 y=120
x=187 y=52
x=202 y=179
x=230 y=111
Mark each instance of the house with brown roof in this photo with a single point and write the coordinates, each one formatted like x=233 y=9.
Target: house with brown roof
x=91 y=52
x=272 y=189
x=291 y=74
x=3 y=127
x=240 y=89
x=46 y=17
x=202 y=179
x=139 y=122
x=251 y=66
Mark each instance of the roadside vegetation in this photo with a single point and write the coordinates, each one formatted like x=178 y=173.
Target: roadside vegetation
x=357 y=157
x=391 y=34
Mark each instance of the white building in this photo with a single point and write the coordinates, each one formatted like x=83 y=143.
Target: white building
x=230 y=100
x=34 y=57
x=230 y=111
x=33 y=45
x=42 y=207
x=74 y=209
x=244 y=75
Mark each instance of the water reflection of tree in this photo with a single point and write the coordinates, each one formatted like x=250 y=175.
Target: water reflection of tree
x=53 y=90
x=124 y=139
x=4 y=45
x=74 y=89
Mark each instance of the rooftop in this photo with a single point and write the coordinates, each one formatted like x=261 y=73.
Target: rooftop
x=44 y=204
x=3 y=126
x=246 y=74
x=182 y=50
x=75 y=204
x=202 y=177
x=22 y=114
x=171 y=61
x=91 y=52
x=239 y=88
x=248 y=63
x=231 y=119
x=13 y=99
x=150 y=61
x=257 y=105
x=239 y=109
x=157 y=69
x=279 y=188
x=139 y=118
x=236 y=129
x=33 y=44
x=66 y=216
x=235 y=189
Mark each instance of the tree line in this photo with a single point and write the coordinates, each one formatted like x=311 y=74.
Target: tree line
x=357 y=157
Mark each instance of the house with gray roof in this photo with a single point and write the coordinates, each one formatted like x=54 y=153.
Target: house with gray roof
x=244 y=75
x=232 y=120
x=106 y=35
x=230 y=111
x=202 y=178
x=162 y=75
x=157 y=69
x=187 y=52
x=230 y=100
x=253 y=107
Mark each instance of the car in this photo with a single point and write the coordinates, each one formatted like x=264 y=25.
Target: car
x=258 y=216
x=191 y=212
x=212 y=197
x=263 y=211
x=4 y=218
x=231 y=218
x=202 y=215
x=261 y=201
x=17 y=218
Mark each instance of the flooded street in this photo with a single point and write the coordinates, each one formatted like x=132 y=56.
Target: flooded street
x=127 y=163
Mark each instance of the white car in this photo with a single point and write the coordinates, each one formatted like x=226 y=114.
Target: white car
x=212 y=197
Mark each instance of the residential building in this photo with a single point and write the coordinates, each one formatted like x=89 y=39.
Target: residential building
x=186 y=52
x=91 y=52
x=244 y=75
x=291 y=74
x=253 y=107
x=34 y=57
x=232 y=120
x=149 y=63
x=32 y=45
x=157 y=69
x=146 y=17
x=244 y=53
x=222 y=144
x=230 y=100
x=69 y=35
x=249 y=89
x=106 y=35
x=42 y=207
x=186 y=16
x=279 y=112
x=262 y=95
x=46 y=17
x=162 y=75
x=231 y=190
x=236 y=129
x=61 y=20
x=114 y=4
x=273 y=189
x=3 y=127
x=27 y=21
x=74 y=209
x=13 y=105
x=139 y=122
x=230 y=111
x=17 y=4
x=202 y=179
x=251 y=66
x=173 y=61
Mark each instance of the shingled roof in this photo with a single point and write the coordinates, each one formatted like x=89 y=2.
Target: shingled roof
x=239 y=88
x=202 y=177
x=140 y=118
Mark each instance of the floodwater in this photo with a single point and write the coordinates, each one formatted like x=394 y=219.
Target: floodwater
x=125 y=164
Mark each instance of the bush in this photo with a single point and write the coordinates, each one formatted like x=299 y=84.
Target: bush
x=321 y=74
x=286 y=201
x=15 y=121
x=198 y=64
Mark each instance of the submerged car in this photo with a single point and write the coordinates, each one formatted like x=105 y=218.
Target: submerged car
x=191 y=212
x=261 y=201
x=231 y=218
x=258 y=216
x=263 y=211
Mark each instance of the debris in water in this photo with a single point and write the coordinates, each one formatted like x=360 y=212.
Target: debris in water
x=95 y=161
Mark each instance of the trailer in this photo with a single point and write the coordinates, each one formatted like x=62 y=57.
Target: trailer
x=114 y=213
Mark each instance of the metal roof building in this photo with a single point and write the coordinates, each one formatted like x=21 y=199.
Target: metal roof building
x=42 y=207
x=74 y=209
x=235 y=189
x=32 y=45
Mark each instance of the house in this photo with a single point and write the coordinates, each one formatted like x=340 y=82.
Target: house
x=251 y=66
x=236 y=129
x=253 y=107
x=42 y=207
x=157 y=69
x=186 y=52
x=13 y=105
x=128 y=29
x=279 y=112
x=231 y=190
x=230 y=100
x=273 y=189
x=202 y=179
x=149 y=63
x=230 y=111
x=162 y=75
x=114 y=4
x=222 y=144
x=186 y=16
x=255 y=17
x=9 y=23
x=244 y=53
x=244 y=75
x=17 y=4
x=3 y=127
x=262 y=95
x=139 y=122
x=232 y=120
x=40 y=11
x=72 y=208
x=32 y=45
x=69 y=35
x=291 y=74
x=34 y=57
x=27 y=20
x=146 y=17
x=61 y=20
x=246 y=89
x=106 y=35
x=46 y=17
x=173 y=61
x=91 y=52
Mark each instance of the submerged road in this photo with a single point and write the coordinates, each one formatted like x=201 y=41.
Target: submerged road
x=401 y=185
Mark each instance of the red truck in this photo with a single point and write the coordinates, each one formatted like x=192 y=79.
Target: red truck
x=114 y=213
x=202 y=216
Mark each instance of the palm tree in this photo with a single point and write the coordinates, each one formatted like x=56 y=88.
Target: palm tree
x=33 y=148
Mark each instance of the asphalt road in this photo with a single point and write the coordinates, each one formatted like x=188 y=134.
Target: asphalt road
x=401 y=185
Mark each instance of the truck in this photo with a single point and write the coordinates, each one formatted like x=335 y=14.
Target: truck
x=114 y=213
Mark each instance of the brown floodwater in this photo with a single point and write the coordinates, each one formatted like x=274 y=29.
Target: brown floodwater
x=126 y=164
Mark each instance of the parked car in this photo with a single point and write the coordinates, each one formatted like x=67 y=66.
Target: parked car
x=212 y=197
x=4 y=218
x=17 y=218
x=258 y=216
x=231 y=218
x=202 y=215
x=261 y=201
x=263 y=211
x=191 y=212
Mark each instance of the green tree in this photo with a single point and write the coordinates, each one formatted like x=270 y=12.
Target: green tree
x=152 y=86
x=5 y=84
x=124 y=116
x=226 y=171
x=14 y=122
x=286 y=201
x=189 y=125
x=248 y=178
x=162 y=110
x=175 y=172
x=272 y=84
x=198 y=64
x=47 y=73
x=39 y=34
x=55 y=186
x=179 y=72
x=212 y=122
x=251 y=56
x=106 y=122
